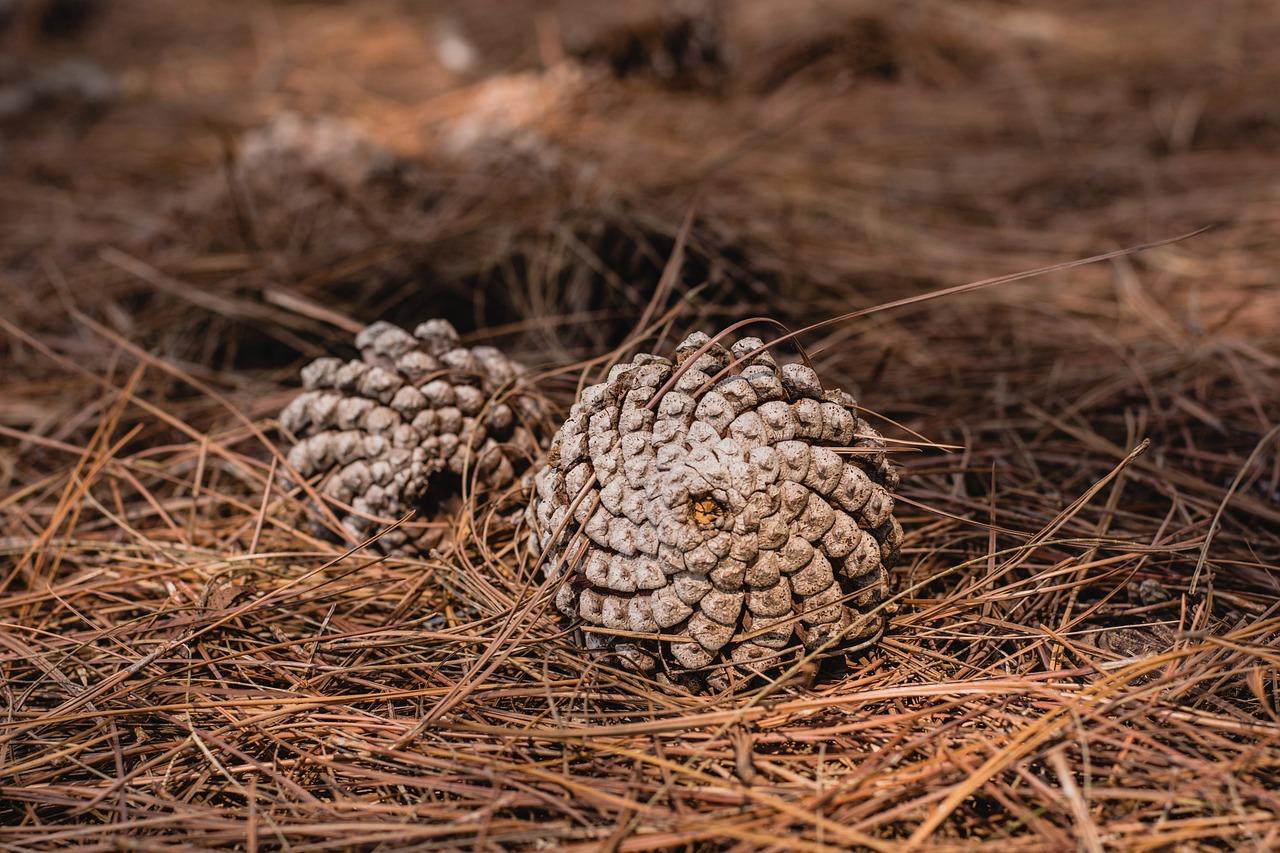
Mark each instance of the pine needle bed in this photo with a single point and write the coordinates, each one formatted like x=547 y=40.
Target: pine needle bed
x=1084 y=650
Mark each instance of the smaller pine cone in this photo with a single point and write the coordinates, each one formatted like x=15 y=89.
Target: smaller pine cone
x=413 y=413
x=724 y=520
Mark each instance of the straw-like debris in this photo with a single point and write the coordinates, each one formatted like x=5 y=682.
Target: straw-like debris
x=1084 y=650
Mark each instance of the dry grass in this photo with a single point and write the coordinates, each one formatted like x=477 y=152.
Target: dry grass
x=1086 y=651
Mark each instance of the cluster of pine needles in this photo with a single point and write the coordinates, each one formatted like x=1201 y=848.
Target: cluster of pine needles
x=1084 y=652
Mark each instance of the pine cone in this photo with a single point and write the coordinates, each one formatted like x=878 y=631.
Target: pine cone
x=413 y=411
x=726 y=520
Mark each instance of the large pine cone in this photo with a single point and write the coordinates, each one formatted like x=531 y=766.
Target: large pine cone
x=412 y=411
x=728 y=521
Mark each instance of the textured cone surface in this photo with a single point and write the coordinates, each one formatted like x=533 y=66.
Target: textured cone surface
x=414 y=410
x=723 y=518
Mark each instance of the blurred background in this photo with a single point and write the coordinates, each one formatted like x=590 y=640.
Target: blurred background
x=253 y=165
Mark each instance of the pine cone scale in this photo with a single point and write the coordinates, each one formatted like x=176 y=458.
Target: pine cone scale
x=723 y=514
x=379 y=430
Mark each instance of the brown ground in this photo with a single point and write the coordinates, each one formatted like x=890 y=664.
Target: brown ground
x=213 y=191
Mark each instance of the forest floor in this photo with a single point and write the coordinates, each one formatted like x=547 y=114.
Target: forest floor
x=197 y=198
